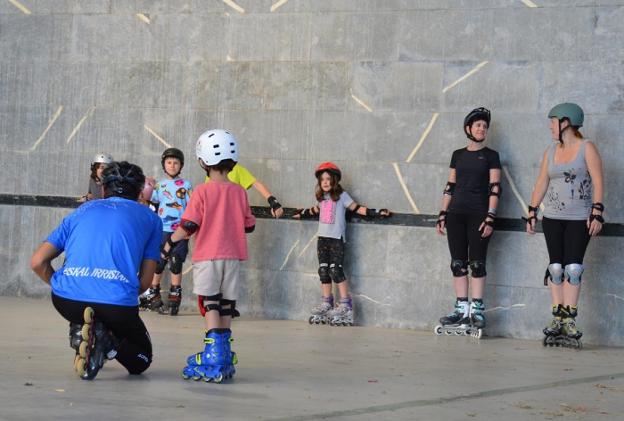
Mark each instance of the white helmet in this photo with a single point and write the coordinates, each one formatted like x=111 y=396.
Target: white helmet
x=102 y=158
x=215 y=146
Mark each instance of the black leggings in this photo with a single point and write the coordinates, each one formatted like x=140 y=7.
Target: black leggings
x=464 y=239
x=566 y=240
x=135 y=347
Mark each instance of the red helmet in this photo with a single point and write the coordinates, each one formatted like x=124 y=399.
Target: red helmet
x=329 y=167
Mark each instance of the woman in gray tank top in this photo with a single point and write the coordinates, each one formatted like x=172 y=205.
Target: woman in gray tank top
x=570 y=184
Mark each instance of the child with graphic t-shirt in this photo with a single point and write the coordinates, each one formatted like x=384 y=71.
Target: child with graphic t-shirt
x=172 y=195
x=220 y=215
x=333 y=202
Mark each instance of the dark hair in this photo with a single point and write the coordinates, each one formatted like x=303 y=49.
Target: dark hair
x=577 y=133
x=94 y=168
x=335 y=190
x=224 y=166
x=123 y=179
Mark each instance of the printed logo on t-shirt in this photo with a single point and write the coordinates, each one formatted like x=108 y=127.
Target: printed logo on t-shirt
x=109 y=274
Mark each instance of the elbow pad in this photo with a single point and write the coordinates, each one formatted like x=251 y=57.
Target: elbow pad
x=449 y=189
x=189 y=226
x=496 y=189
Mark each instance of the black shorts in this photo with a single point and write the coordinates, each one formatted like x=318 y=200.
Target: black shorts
x=330 y=253
x=566 y=240
x=464 y=238
x=181 y=248
x=135 y=347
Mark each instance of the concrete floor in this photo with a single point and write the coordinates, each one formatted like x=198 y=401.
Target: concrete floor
x=293 y=371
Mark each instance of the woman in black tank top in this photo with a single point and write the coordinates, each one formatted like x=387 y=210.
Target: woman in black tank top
x=467 y=213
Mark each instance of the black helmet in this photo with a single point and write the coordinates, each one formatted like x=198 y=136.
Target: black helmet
x=172 y=153
x=477 y=114
x=123 y=179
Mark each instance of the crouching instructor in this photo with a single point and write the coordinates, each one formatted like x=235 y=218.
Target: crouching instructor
x=111 y=249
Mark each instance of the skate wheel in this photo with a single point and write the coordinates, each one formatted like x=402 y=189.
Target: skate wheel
x=438 y=330
x=545 y=341
x=83 y=348
x=79 y=365
x=448 y=332
x=458 y=333
x=477 y=334
x=88 y=315
x=86 y=332
x=311 y=320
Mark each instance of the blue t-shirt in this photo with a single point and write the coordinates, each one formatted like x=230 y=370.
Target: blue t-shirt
x=172 y=196
x=105 y=242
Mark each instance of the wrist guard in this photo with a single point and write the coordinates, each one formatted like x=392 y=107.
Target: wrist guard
x=166 y=254
x=441 y=217
x=376 y=213
x=273 y=203
x=598 y=218
x=598 y=206
x=307 y=213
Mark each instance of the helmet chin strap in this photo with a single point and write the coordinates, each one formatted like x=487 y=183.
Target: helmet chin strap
x=562 y=130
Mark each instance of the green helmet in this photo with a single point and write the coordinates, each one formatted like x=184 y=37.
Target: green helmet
x=568 y=110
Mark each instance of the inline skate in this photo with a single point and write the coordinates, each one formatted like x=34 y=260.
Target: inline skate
x=562 y=330
x=320 y=312
x=342 y=315
x=96 y=346
x=173 y=306
x=151 y=299
x=216 y=362
x=459 y=322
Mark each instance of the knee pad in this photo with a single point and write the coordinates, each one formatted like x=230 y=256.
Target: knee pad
x=459 y=267
x=176 y=265
x=160 y=267
x=324 y=273
x=477 y=269
x=573 y=272
x=228 y=308
x=555 y=271
x=336 y=273
x=207 y=303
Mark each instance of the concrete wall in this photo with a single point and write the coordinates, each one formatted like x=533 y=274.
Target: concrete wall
x=353 y=81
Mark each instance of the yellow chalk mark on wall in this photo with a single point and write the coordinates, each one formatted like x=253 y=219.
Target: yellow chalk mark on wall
x=529 y=3
x=515 y=191
x=50 y=123
x=362 y=103
x=423 y=137
x=234 y=6
x=277 y=5
x=143 y=17
x=156 y=135
x=466 y=76
x=289 y=253
x=307 y=245
x=20 y=6
x=82 y=120
x=405 y=189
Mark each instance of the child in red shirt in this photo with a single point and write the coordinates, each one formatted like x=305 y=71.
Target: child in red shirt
x=219 y=214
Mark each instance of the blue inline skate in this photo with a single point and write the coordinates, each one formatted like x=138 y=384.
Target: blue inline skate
x=216 y=362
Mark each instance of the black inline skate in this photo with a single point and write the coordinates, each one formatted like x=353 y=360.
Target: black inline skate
x=96 y=346
x=175 y=297
x=458 y=322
